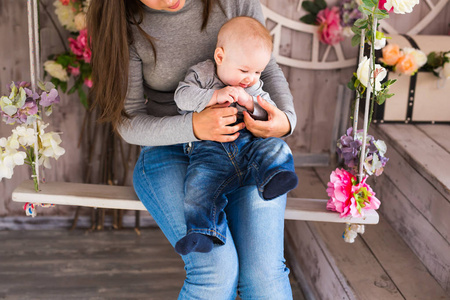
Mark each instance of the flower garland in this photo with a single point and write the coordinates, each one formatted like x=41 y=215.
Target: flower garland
x=74 y=63
x=362 y=154
x=408 y=61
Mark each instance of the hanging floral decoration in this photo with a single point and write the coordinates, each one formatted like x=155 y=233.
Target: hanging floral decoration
x=361 y=154
x=24 y=107
x=73 y=63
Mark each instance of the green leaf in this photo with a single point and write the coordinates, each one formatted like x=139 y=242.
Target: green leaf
x=365 y=10
x=381 y=14
x=311 y=7
x=356 y=30
x=55 y=81
x=369 y=3
x=351 y=83
x=309 y=19
x=72 y=89
x=64 y=60
x=83 y=98
x=321 y=4
x=356 y=39
x=390 y=82
x=63 y=86
x=360 y=22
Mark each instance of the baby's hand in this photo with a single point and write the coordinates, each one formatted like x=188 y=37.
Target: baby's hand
x=227 y=94
x=245 y=100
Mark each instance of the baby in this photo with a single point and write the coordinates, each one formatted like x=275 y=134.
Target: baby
x=215 y=169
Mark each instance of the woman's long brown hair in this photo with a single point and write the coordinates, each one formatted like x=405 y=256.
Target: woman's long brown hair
x=110 y=35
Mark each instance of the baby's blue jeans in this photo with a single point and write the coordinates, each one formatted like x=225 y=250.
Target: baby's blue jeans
x=251 y=262
x=217 y=169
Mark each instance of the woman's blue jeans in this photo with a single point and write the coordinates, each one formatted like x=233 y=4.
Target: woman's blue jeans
x=251 y=262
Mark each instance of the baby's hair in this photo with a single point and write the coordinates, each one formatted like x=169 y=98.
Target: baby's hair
x=243 y=30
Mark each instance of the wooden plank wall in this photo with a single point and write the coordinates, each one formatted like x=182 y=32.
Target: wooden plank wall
x=314 y=91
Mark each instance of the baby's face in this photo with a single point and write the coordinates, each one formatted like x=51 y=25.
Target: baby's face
x=242 y=66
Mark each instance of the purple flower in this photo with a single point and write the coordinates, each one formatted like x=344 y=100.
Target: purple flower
x=49 y=98
x=349 y=12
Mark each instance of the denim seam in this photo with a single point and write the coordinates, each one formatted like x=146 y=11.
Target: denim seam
x=217 y=194
x=232 y=157
x=268 y=178
x=272 y=175
x=210 y=232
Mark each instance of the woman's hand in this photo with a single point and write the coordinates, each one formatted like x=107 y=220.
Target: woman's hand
x=212 y=123
x=277 y=124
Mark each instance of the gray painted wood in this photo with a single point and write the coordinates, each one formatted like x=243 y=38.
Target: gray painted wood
x=88 y=265
x=431 y=203
x=379 y=265
x=401 y=264
x=60 y=264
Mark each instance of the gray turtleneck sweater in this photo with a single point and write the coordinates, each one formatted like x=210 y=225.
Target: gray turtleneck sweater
x=181 y=44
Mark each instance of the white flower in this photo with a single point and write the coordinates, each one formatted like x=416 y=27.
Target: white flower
x=363 y=73
x=357 y=228
x=381 y=146
x=80 y=21
x=5 y=172
x=11 y=144
x=56 y=70
x=9 y=158
x=446 y=68
x=350 y=236
x=65 y=15
x=380 y=43
x=420 y=57
x=50 y=148
x=26 y=135
x=372 y=164
x=400 y=6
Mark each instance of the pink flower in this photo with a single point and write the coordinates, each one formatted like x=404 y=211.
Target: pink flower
x=65 y=2
x=363 y=198
x=80 y=46
x=88 y=82
x=381 y=6
x=330 y=30
x=349 y=198
x=340 y=190
x=75 y=71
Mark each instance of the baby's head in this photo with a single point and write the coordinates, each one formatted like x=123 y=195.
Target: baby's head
x=243 y=51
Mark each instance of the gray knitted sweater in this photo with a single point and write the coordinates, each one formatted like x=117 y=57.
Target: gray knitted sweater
x=197 y=89
x=181 y=44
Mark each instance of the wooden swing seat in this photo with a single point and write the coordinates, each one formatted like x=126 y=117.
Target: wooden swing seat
x=124 y=197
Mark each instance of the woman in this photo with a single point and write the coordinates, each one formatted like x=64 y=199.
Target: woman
x=145 y=48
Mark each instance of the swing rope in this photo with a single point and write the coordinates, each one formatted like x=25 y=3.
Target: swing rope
x=35 y=68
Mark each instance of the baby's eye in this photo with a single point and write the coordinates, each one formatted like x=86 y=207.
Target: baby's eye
x=258 y=73
x=243 y=71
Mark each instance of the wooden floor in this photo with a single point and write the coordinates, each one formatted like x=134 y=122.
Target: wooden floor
x=61 y=264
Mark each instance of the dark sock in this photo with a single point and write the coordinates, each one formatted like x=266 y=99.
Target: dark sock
x=194 y=242
x=280 y=184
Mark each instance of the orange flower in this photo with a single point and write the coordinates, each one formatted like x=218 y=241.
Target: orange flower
x=391 y=54
x=406 y=64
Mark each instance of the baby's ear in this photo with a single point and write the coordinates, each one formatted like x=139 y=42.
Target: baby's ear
x=218 y=55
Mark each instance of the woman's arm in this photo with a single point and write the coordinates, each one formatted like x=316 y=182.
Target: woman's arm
x=148 y=130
